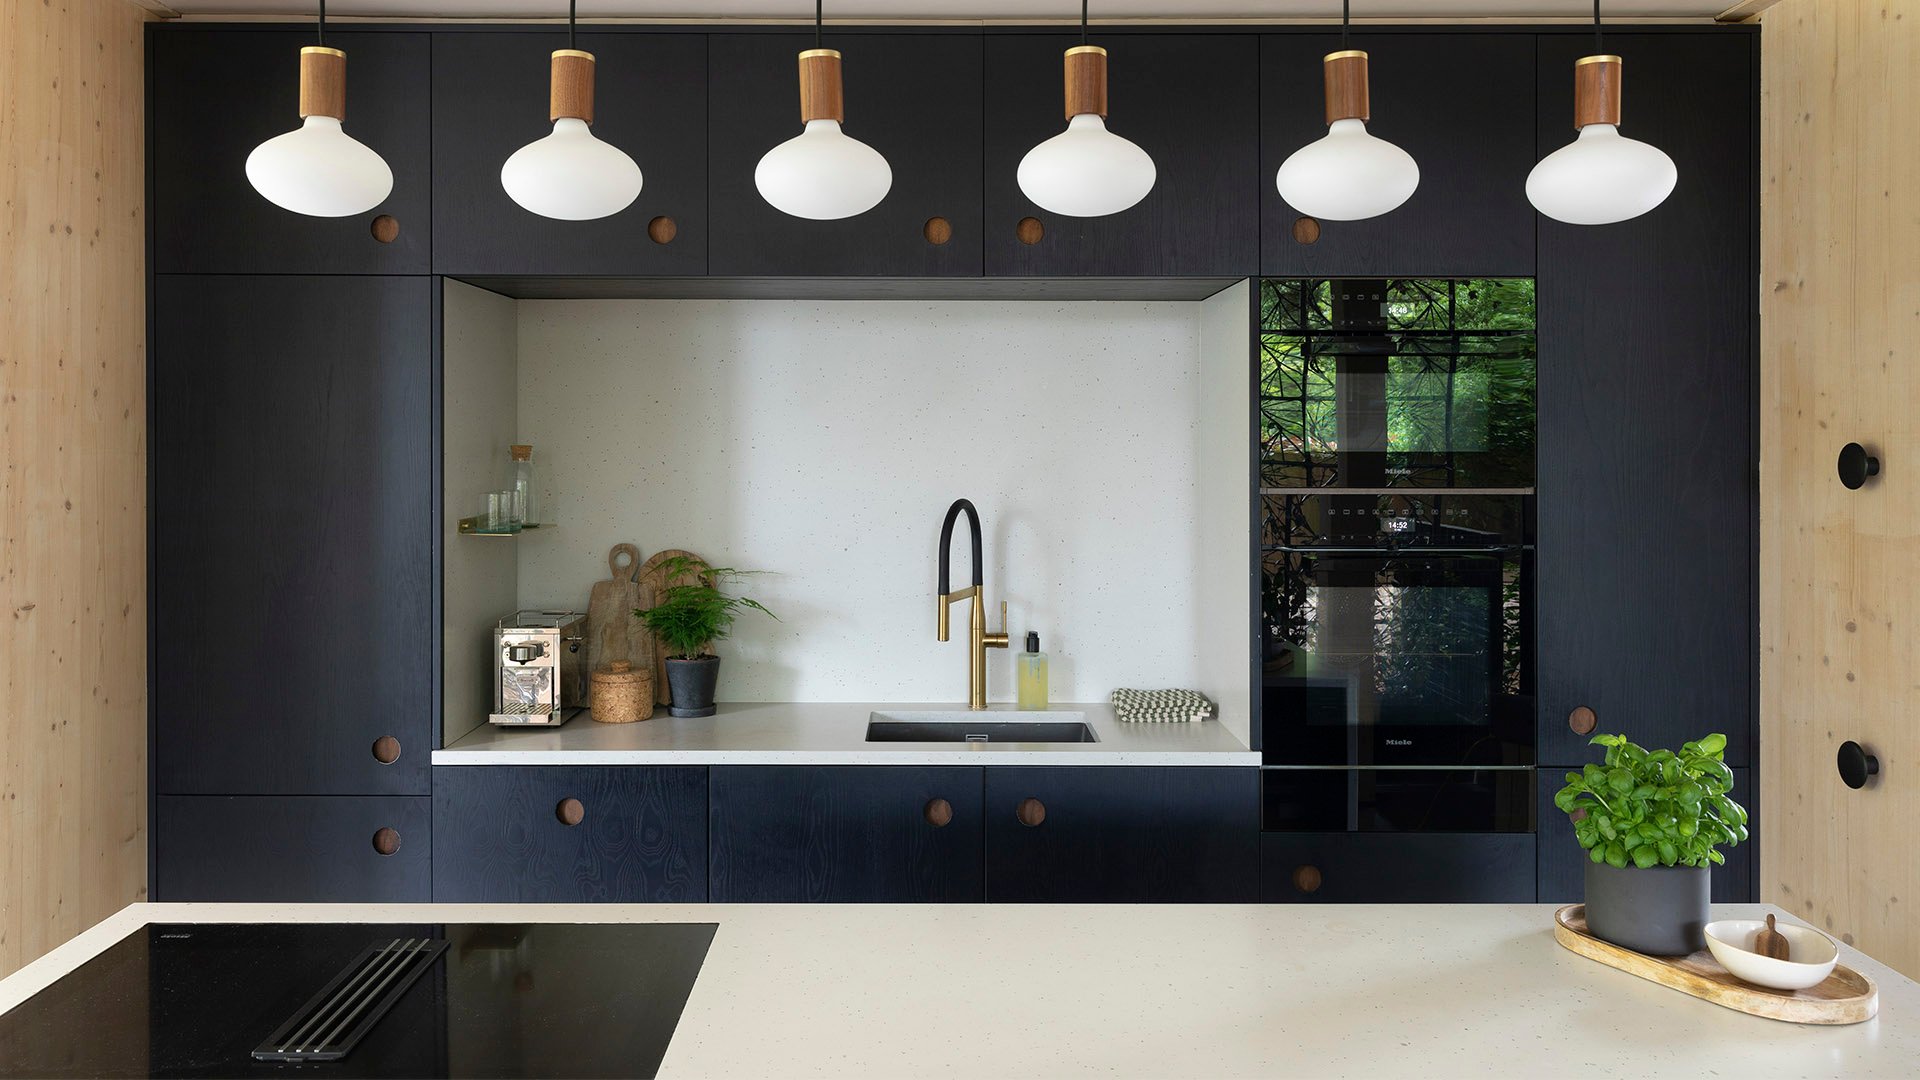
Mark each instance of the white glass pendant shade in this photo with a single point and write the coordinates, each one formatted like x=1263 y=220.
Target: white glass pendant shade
x=319 y=170
x=570 y=175
x=1600 y=178
x=823 y=174
x=1347 y=174
x=1086 y=171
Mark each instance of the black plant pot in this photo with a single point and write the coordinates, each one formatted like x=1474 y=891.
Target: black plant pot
x=1659 y=911
x=691 y=683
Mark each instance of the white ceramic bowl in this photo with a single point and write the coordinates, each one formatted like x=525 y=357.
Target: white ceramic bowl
x=1813 y=954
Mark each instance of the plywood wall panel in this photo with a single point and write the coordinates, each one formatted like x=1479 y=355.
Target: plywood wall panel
x=1840 y=570
x=73 y=719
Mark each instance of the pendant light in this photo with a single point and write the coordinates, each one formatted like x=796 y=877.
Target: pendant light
x=317 y=169
x=1602 y=177
x=1347 y=174
x=569 y=174
x=1086 y=170
x=822 y=173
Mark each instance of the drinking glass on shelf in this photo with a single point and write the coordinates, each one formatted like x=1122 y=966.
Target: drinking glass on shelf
x=496 y=512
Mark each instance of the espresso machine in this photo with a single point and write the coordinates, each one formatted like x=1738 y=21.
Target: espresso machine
x=539 y=668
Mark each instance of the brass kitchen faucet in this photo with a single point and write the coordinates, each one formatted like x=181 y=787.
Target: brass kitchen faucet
x=978 y=640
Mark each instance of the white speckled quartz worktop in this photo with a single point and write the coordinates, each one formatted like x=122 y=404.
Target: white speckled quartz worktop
x=1145 y=991
x=833 y=733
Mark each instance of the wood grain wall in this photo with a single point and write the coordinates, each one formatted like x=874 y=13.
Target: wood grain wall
x=73 y=719
x=1840 y=570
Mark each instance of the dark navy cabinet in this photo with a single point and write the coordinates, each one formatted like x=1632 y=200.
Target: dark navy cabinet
x=1647 y=455
x=490 y=99
x=1386 y=868
x=915 y=98
x=213 y=95
x=294 y=585
x=845 y=834
x=1183 y=834
x=1474 y=143
x=625 y=834
x=318 y=848
x=1189 y=100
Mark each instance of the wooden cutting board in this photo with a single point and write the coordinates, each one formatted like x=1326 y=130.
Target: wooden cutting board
x=653 y=584
x=1847 y=997
x=612 y=631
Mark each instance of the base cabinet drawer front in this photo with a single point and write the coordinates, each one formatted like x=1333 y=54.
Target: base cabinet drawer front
x=1171 y=834
x=1390 y=868
x=320 y=848
x=1563 y=862
x=845 y=834
x=570 y=834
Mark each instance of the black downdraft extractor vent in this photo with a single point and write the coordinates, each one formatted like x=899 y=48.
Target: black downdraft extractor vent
x=333 y=1021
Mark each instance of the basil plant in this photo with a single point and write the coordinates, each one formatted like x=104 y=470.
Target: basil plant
x=1655 y=807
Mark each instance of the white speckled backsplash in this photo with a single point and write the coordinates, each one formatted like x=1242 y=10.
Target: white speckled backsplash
x=823 y=441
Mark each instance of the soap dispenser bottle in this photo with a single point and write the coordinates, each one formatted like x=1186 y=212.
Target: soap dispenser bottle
x=1031 y=668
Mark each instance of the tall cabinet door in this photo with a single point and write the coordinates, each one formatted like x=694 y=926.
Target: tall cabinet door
x=1646 y=407
x=214 y=95
x=293 y=486
x=490 y=99
x=1474 y=143
x=1189 y=100
x=915 y=98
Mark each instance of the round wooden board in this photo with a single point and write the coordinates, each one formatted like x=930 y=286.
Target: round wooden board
x=1847 y=997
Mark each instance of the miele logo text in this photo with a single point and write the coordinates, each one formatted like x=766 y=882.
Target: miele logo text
x=1399 y=742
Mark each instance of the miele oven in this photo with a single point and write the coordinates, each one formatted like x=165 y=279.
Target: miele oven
x=1397 y=431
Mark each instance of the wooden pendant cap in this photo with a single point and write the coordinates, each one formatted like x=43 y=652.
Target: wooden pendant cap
x=323 y=82
x=570 y=91
x=821 y=97
x=1345 y=74
x=1086 y=82
x=1596 y=91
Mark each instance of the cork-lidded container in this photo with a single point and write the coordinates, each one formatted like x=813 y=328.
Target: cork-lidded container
x=622 y=695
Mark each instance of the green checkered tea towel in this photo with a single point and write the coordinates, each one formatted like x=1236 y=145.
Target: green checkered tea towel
x=1161 y=706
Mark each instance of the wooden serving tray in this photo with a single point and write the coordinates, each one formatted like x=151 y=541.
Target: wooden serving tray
x=1847 y=997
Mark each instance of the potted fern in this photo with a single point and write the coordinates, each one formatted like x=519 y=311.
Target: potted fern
x=688 y=618
x=1653 y=823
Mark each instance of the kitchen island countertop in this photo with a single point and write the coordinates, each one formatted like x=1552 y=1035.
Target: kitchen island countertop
x=833 y=733
x=1128 y=990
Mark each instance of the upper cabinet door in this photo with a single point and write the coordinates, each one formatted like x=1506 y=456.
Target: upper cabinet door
x=215 y=95
x=1647 y=450
x=915 y=98
x=1188 y=100
x=490 y=94
x=1461 y=104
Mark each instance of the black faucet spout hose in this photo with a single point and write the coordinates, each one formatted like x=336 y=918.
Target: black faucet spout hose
x=946 y=542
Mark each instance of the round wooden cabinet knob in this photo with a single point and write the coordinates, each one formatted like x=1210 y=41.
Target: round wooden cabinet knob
x=1029 y=230
x=662 y=230
x=1031 y=812
x=1582 y=721
x=386 y=228
x=1306 y=230
x=938 y=230
x=386 y=841
x=1306 y=878
x=938 y=812
x=570 y=812
x=386 y=749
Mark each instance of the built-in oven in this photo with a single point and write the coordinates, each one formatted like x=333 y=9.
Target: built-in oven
x=1397 y=526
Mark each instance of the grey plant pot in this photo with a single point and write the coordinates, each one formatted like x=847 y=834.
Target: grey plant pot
x=691 y=683
x=1659 y=911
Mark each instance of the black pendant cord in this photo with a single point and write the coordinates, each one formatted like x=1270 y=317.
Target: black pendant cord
x=323 y=22
x=817 y=5
x=1346 y=15
x=1597 y=47
x=1083 y=22
x=571 y=5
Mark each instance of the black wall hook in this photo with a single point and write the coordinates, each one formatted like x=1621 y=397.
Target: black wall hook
x=1856 y=765
x=1856 y=465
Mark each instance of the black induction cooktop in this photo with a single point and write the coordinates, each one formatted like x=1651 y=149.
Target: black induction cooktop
x=504 y=1000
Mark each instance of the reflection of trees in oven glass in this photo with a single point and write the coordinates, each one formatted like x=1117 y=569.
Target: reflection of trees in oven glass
x=1456 y=363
